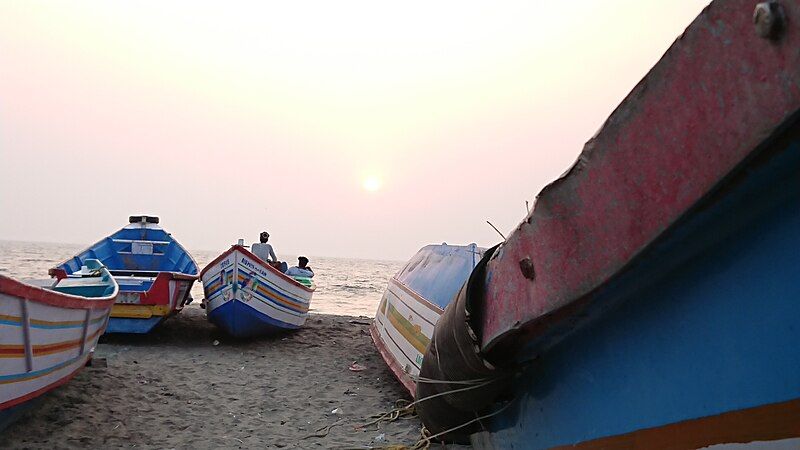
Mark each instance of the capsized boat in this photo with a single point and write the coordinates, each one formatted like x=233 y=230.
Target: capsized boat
x=48 y=331
x=247 y=297
x=155 y=274
x=650 y=298
x=413 y=302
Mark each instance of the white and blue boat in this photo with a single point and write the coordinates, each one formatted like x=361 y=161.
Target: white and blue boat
x=48 y=331
x=415 y=298
x=155 y=274
x=247 y=297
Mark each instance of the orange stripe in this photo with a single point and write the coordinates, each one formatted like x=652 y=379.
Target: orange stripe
x=263 y=290
x=289 y=303
x=425 y=302
x=17 y=351
x=770 y=422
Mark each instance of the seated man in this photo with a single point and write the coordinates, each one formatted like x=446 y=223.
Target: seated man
x=263 y=250
x=301 y=269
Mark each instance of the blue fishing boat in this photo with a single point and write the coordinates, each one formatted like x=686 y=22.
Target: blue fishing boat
x=155 y=274
x=650 y=299
x=247 y=297
x=48 y=331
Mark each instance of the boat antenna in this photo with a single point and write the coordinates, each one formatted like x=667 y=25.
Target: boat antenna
x=498 y=231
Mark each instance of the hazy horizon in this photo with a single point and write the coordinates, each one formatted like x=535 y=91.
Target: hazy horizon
x=213 y=252
x=354 y=130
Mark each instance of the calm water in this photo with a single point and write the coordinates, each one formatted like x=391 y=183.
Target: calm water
x=344 y=286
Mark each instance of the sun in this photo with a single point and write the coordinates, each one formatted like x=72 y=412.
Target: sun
x=372 y=183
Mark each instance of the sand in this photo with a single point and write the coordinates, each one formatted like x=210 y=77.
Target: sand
x=175 y=389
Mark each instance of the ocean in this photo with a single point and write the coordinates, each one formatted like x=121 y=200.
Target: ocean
x=344 y=286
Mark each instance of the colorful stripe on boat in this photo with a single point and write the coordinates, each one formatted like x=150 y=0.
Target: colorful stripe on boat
x=412 y=333
x=133 y=311
x=27 y=376
x=18 y=350
x=46 y=324
x=260 y=286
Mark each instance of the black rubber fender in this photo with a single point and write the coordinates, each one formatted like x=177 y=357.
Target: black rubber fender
x=454 y=355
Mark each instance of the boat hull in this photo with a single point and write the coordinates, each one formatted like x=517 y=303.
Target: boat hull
x=702 y=354
x=46 y=336
x=414 y=301
x=402 y=331
x=649 y=300
x=246 y=297
x=139 y=312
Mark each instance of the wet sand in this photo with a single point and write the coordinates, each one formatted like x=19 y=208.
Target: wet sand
x=175 y=389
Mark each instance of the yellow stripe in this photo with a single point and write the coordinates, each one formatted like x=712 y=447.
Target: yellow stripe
x=41 y=322
x=413 y=334
x=139 y=311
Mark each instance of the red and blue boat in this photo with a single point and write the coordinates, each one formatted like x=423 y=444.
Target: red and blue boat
x=48 y=332
x=650 y=298
x=154 y=272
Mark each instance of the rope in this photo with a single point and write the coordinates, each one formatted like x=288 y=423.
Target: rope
x=320 y=433
x=426 y=380
x=391 y=416
x=408 y=410
x=425 y=442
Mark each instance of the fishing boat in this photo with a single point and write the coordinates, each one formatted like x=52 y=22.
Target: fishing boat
x=413 y=302
x=155 y=274
x=48 y=331
x=650 y=298
x=247 y=297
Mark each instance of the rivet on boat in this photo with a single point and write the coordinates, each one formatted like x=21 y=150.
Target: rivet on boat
x=526 y=266
x=769 y=20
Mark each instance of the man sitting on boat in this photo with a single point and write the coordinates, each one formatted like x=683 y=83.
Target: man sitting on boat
x=265 y=252
x=301 y=269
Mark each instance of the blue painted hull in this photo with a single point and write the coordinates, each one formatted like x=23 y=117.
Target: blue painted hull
x=703 y=326
x=133 y=326
x=242 y=321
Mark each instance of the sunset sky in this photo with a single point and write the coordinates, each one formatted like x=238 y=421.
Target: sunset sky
x=350 y=128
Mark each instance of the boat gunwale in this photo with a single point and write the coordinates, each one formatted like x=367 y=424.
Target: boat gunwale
x=416 y=296
x=237 y=247
x=57 y=271
x=22 y=290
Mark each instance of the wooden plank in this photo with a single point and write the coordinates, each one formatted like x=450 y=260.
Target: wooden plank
x=26 y=332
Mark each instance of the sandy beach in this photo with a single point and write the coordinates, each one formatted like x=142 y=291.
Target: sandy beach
x=187 y=385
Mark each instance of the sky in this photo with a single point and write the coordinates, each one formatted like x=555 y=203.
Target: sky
x=361 y=129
